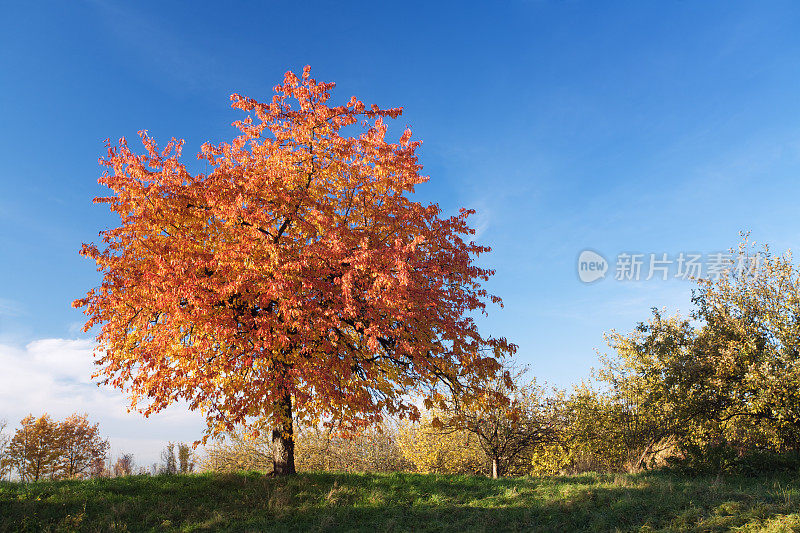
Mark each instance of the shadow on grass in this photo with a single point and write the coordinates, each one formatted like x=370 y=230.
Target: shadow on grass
x=402 y=502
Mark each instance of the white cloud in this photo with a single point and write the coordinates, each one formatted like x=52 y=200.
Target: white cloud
x=54 y=376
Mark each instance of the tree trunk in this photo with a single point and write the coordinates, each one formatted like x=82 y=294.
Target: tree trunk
x=495 y=468
x=283 y=439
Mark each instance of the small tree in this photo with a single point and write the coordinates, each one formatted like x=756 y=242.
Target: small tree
x=185 y=458
x=125 y=465
x=510 y=419
x=34 y=450
x=80 y=446
x=658 y=390
x=507 y=421
x=169 y=464
x=98 y=468
x=296 y=280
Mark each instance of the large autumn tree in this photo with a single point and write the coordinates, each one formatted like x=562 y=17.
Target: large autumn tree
x=295 y=280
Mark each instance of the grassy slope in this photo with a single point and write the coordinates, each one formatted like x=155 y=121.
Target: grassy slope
x=403 y=502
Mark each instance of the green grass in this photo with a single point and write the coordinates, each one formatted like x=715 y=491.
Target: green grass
x=404 y=502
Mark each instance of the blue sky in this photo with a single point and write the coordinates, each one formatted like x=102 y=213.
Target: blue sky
x=620 y=127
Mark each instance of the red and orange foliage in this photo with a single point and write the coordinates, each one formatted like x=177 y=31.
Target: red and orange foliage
x=296 y=277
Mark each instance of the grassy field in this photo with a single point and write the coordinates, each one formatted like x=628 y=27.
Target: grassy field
x=404 y=502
